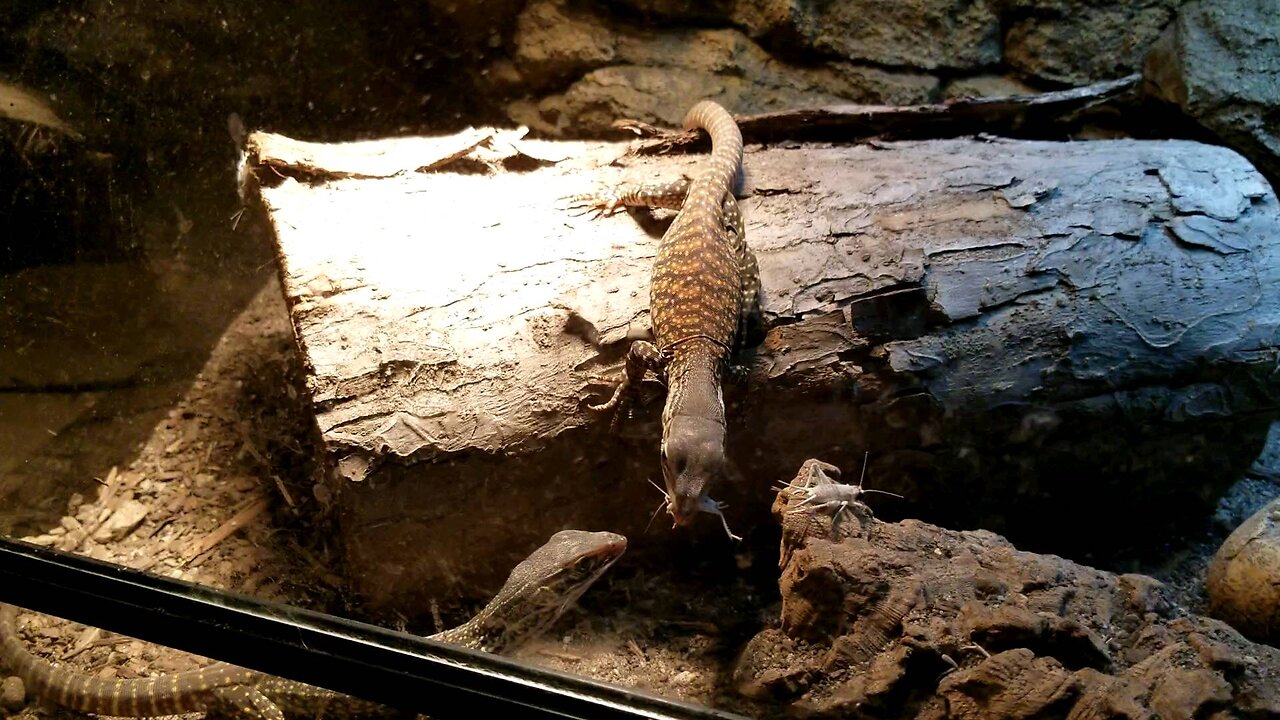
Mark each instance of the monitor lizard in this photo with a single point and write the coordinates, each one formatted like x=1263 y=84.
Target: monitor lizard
x=704 y=304
x=535 y=594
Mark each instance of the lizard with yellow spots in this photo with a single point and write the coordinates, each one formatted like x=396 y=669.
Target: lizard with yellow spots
x=704 y=305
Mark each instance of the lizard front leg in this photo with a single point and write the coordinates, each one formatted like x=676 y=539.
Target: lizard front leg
x=666 y=195
x=641 y=357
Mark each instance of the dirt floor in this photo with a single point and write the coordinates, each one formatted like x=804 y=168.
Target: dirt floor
x=187 y=452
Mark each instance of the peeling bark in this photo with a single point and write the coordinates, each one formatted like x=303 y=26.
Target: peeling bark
x=1032 y=115
x=1017 y=332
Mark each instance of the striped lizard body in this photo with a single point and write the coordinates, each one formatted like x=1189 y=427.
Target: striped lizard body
x=704 y=307
x=537 y=591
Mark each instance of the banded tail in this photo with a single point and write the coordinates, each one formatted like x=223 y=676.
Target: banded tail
x=721 y=169
x=167 y=695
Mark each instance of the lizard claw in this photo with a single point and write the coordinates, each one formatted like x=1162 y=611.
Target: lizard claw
x=603 y=205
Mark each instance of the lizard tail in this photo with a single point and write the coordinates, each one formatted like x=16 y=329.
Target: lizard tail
x=40 y=675
x=726 y=144
x=140 y=697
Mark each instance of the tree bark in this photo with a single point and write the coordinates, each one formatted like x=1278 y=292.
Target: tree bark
x=1016 y=331
x=1034 y=116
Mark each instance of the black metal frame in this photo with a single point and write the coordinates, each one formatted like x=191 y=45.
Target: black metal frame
x=367 y=661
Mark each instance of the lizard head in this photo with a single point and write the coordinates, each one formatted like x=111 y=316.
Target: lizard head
x=541 y=588
x=692 y=459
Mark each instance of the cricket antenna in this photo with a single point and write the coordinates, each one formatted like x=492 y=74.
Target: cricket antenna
x=864 y=476
x=665 y=500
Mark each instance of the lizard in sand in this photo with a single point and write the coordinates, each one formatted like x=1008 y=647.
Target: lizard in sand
x=535 y=594
x=704 y=303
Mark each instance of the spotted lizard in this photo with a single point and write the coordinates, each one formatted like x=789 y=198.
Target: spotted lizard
x=704 y=305
x=535 y=594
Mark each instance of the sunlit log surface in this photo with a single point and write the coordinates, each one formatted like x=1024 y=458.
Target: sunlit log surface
x=1070 y=343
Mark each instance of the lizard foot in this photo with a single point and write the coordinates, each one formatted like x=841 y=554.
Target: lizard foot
x=619 y=404
x=613 y=402
x=601 y=205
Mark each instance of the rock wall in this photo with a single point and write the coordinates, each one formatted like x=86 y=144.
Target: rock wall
x=323 y=69
x=572 y=68
x=1220 y=63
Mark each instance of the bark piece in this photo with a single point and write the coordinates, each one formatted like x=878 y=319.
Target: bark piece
x=1016 y=330
x=992 y=632
x=1012 y=114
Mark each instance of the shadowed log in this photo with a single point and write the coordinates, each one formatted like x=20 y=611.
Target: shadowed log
x=1025 y=335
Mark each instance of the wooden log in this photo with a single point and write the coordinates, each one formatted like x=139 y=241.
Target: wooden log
x=1024 y=335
